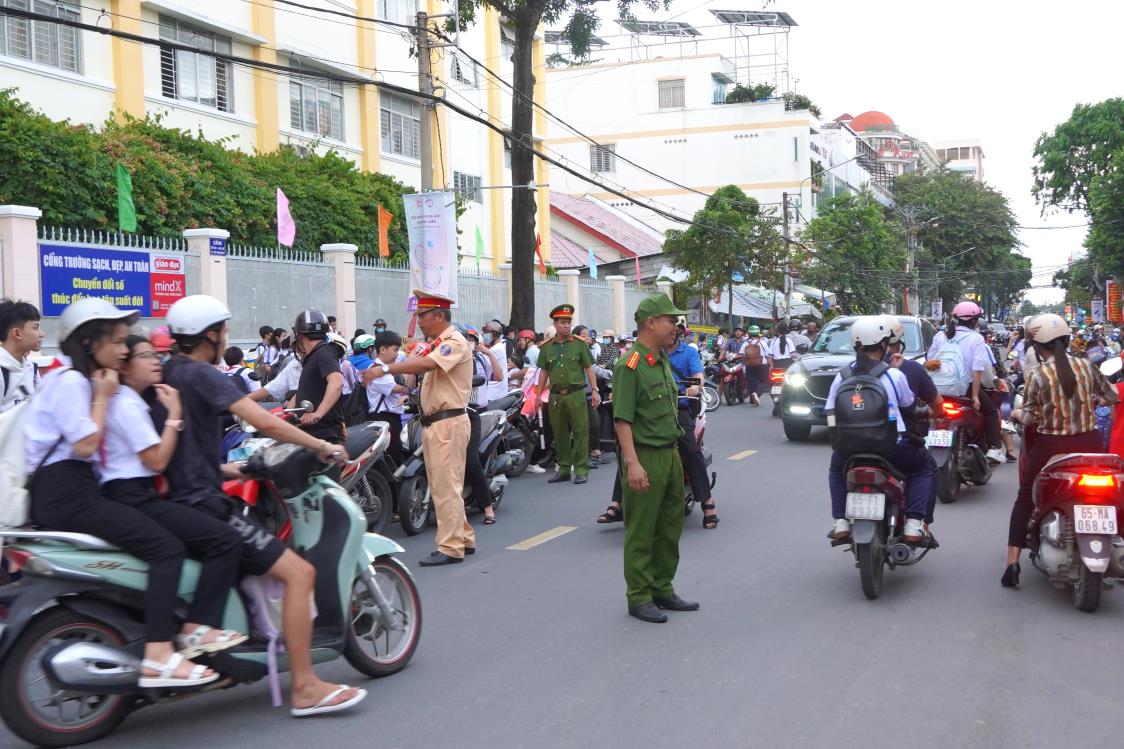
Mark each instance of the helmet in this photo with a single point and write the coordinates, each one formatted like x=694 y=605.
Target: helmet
x=870 y=331
x=194 y=314
x=795 y=324
x=312 y=320
x=894 y=325
x=89 y=309
x=967 y=310
x=468 y=331
x=379 y=322
x=161 y=339
x=1046 y=328
x=1026 y=321
x=363 y=342
x=754 y=330
x=609 y=333
x=338 y=341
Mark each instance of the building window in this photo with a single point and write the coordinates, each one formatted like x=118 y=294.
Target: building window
x=398 y=11
x=507 y=44
x=316 y=106
x=462 y=70
x=190 y=76
x=965 y=153
x=719 y=90
x=42 y=41
x=603 y=158
x=467 y=187
x=401 y=126
x=671 y=93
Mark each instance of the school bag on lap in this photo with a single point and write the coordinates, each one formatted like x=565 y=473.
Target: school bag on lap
x=863 y=421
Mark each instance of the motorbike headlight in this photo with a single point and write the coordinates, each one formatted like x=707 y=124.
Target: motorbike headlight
x=796 y=379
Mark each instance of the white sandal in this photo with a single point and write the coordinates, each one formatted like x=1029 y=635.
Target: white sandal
x=194 y=644
x=167 y=674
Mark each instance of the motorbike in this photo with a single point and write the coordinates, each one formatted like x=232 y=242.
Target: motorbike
x=522 y=432
x=689 y=500
x=876 y=509
x=958 y=443
x=1073 y=536
x=368 y=486
x=776 y=388
x=733 y=381
x=73 y=637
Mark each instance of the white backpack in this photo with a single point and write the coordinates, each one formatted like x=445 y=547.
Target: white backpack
x=13 y=476
x=953 y=378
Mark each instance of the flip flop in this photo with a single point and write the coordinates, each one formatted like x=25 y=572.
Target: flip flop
x=323 y=707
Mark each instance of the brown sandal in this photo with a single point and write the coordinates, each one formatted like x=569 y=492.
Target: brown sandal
x=710 y=522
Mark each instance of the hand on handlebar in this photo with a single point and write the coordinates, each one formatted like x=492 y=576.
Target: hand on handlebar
x=693 y=391
x=333 y=453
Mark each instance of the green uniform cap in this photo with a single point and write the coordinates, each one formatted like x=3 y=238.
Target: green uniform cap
x=657 y=306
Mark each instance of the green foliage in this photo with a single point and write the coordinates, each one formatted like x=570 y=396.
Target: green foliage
x=1078 y=282
x=183 y=181
x=793 y=102
x=1079 y=150
x=856 y=252
x=731 y=235
x=1029 y=308
x=739 y=93
x=1106 y=208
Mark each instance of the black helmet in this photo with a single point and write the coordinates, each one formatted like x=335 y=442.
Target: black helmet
x=311 y=320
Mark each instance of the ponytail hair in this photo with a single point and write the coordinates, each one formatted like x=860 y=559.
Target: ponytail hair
x=1066 y=377
x=782 y=333
x=950 y=330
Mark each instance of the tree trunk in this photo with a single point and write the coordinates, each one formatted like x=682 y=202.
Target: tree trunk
x=523 y=204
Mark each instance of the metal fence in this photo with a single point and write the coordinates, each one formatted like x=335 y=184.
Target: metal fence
x=596 y=304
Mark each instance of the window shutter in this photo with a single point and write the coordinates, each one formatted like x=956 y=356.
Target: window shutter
x=671 y=93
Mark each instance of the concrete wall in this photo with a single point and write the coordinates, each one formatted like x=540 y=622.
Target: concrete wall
x=272 y=292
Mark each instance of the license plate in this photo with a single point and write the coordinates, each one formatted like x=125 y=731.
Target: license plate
x=863 y=506
x=939 y=438
x=1094 y=519
x=776 y=390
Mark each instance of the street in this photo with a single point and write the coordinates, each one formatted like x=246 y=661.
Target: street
x=533 y=648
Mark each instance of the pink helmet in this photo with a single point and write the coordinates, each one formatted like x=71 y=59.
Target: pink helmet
x=967 y=310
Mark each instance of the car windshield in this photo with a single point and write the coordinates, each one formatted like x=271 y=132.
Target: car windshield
x=836 y=338
x=998 y=327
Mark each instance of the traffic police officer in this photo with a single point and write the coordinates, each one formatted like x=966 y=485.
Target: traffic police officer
x=444 y=401
x=647 y=425
x=567 y=363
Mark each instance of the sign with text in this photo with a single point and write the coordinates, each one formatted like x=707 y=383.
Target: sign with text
x=1097 y=310
x=936 y=309
x=1114 y=311
x=218 y=247
x=431 y=223
x=149 y=282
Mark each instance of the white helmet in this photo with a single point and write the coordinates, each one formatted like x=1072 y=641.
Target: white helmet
x=88 y=309
x=1026 y=321
x=870 y=330
x=894 y=325
x=1047 y=327
x=194 y=314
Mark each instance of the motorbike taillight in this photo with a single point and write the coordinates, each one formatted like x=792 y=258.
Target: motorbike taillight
x=1079 y=486
x=776 y=375
x=17 y=558
x=951 y=410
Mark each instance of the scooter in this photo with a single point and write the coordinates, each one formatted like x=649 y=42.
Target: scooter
x=708 y=457
x=361 y=478
x=876 y=509
x=776 y=388
x=733 y=381
x=1073 y=536
x=73 y=636
x=957 y=442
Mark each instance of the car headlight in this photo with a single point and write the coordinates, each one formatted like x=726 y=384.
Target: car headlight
x=796 y=379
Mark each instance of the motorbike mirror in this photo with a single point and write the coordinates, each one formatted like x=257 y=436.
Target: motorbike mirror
x=307 y=405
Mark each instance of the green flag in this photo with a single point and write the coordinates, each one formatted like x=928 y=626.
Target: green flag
x=479 y=246
x=126 y=211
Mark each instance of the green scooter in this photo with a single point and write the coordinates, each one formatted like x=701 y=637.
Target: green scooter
x=71 y=632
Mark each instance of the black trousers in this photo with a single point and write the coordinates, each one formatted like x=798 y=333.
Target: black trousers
x=474 y=474
x=65 y=496
x=395 y=422
x=990 y=417
x=214 y=543
x=1044 y=447
x=594 y=419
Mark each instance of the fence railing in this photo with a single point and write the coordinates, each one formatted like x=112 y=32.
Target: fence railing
x=374 y=261
x=313 y=257
x=123 y=240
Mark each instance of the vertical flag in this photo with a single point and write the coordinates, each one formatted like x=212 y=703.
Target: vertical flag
x=637 y=261
x=823 y=300
x=538 y=251
x=286 y=227
x=479 y=246
x=126 y=210
x=385 y=217
x=592 y=264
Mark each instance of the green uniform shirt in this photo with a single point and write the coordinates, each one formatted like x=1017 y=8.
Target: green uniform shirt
x=645 y=395
x=566 y=362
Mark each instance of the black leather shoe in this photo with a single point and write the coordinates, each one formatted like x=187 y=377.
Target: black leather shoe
x=1011 y=576
x=437 y=558
x=647 y=612
x=558 y=478
x=469 y=550
x=675 y=603
x=593 y=463
x=580 y=479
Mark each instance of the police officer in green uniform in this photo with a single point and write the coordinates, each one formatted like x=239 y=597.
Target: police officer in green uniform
x=567 y=363
x=644 y=408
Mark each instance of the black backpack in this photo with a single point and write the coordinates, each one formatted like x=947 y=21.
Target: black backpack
x=862 y=414
x=357 y=409
x=238 y=380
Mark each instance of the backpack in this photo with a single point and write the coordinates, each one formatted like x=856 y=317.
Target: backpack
x=953 y=378
x=239 y=380
x=357 y=409
x=753 y=355
x=15 y=498
x=863 y=421
x=262 y=596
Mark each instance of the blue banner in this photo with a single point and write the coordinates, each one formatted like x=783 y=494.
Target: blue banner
x=132 y=280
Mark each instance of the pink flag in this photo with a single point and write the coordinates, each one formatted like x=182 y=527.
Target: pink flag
x=637 y=260
x=286 y=227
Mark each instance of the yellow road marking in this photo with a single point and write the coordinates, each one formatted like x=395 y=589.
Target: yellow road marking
x=742 y=454
x=542 y=538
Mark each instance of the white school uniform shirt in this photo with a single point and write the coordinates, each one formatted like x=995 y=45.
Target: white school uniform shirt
x=287 y=381
x=381 y=391
x=899 y=394
x=499 y=388
x=60 y=409
x=480 y=396
x=22 y=378
x=775 y=348
x=128 y=431
x=977 y=354
x=244 y=374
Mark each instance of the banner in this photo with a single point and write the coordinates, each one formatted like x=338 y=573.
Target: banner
x=149 y=282
x=1114 y=311
x=1097 y=310
x=431 y=224
x=937 y=309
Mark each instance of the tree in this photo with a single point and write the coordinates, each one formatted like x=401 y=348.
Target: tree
x=1029 y=308
x=524 y=18
x=793 y=102
x=1079 y=150
x=732 y=236
x=1106 y=209
x=1078 y=282
x=856 y=252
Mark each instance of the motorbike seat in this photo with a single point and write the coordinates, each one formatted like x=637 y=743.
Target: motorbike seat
x=360 y=440
x=1106 y=461
x=507 y=402
x=877 y=460
x=489 y=420
x=83 y=541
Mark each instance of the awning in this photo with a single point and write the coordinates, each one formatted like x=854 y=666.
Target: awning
x=758 y=303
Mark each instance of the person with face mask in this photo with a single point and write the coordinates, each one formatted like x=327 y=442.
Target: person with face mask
x=379 y=326
x=610 y=351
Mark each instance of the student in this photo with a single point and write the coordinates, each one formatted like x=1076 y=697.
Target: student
x=64 y=427
x=321 y=382
x=233 y=367
x=361 y=349
x=385 y=395
x=267 y=352
x=20 y=335
x=200 y=326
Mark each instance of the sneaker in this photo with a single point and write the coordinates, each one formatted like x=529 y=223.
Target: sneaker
x=841 y=529
x=535 y=469
x=914 y=530
x=996 y=455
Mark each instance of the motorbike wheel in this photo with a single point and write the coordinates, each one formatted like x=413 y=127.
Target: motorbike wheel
x=797 y=432
x=413 y=505
x=371 y=647
x=521 y=467
x=776 y=405
x=872 y=563
x=731 y=393
x=711 y=399
x=1087 y=591
x=374 y=496
x=38 y=712
x=948 y=482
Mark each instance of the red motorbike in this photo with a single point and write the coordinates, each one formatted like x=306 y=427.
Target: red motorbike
x=733 y=380
x=1073 y=536
x=776 y=388
x=957 y=440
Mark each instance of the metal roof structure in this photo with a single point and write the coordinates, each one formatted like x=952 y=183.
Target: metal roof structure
x=754 y=18
x=660 y=28
x=559 y=37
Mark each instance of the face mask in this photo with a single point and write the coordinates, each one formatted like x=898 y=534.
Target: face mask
x=380 y=329
x=606 y=341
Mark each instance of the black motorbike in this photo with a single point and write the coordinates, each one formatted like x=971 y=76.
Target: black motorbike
x=957 y=440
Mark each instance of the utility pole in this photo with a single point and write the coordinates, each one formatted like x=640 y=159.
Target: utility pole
x=425 y=84
x=787 y=232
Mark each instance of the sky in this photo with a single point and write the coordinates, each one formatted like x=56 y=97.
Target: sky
x=999 y=71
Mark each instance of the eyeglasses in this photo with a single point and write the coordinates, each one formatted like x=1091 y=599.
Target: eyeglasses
x=147 y=355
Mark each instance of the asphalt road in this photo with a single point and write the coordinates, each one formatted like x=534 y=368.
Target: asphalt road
x=533 y=648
